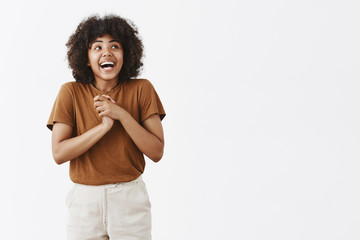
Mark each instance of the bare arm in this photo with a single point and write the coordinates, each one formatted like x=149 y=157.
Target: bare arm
x=148 y=137
x=65 y=147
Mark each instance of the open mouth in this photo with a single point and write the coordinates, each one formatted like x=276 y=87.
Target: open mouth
x=107 y=65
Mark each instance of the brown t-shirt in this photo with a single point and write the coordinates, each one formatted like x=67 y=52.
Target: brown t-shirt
x=115 y=157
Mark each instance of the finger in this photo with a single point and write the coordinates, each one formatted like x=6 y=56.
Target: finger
x=109 y=98
x=103 y=113
x=100 y=109
x=100 y=98
x=98 y=103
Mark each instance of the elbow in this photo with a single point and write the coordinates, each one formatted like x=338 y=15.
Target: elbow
x=60 y=154
x=156 y=158
x=59 y=159
x=56 y=153
x=157 y=155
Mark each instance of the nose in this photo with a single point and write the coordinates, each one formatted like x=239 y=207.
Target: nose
x=107 y=52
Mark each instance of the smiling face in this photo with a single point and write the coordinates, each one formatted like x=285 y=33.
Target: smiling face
x=105 y=56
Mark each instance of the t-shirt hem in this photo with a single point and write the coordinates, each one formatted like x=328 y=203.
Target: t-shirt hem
x=84 y=182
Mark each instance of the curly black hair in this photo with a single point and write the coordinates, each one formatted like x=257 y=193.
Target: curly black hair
x=93 y=27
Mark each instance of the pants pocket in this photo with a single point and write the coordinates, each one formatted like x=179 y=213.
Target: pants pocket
x=145 y=192
x=70 y=197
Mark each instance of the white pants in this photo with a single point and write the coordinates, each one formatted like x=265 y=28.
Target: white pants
x=120 y=211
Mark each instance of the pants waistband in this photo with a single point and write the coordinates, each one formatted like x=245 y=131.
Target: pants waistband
x=111 y=185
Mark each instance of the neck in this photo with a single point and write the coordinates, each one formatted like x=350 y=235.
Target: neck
x=105 y=85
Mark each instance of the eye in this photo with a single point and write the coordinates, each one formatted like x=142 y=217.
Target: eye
x=115 y=46
x=97 y=48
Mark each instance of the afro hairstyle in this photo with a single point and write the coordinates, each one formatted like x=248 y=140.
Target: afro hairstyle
x=93 y=27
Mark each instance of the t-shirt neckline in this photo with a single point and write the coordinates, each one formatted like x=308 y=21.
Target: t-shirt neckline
x=104 y=92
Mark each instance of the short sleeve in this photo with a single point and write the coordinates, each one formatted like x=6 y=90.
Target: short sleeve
x=150 y=102
x=63 y=108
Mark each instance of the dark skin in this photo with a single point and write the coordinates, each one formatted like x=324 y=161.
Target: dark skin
x=148 y=136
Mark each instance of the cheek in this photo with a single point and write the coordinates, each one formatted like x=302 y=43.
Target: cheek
x=92 y=61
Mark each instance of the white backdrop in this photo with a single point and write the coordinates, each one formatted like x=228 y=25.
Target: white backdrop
x=262 y=127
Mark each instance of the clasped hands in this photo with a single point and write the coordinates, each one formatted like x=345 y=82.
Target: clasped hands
x=107 y=109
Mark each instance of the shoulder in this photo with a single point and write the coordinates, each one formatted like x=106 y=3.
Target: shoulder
x=138 y=85
x=138 y=82
x=72 y=90
x=73 y=87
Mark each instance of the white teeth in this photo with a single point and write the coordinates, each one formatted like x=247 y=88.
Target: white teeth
x=107 y=63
